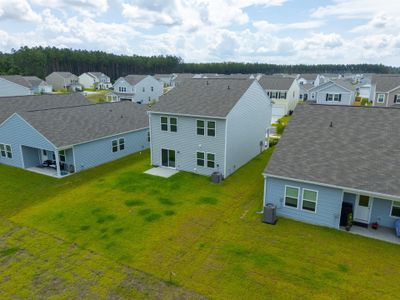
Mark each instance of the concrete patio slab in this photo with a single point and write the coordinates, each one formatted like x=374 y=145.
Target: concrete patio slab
x=383 y=233
x=161 y=172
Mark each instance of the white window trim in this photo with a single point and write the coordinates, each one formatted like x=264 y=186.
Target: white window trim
x=6 y=152
x=118 y=145
x=206 y=160
x=206 y=127
x=215 y=128
x=383 y=101
x=298 y=197
x=169 y=124
x=333 y=97
x=397 y=99
x=316 y=201
x=391 y=209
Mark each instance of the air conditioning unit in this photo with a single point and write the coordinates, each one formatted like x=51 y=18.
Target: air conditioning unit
x=269 y=214
x=216 y=177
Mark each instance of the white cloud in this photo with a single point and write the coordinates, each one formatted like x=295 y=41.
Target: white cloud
x=82 y=7
x=18 y=10
x=266 y=26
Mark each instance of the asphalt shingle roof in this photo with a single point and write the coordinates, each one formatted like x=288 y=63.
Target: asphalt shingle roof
x=134 y=79
x=360 y=151
x=18 y=79
x=65 y=74
x=34 y=81
x=386 y=82
x=203 y=97
x=276 y=83
x=75 y=125
x=10 y=105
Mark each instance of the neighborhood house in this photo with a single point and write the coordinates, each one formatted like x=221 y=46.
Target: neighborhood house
x=63 y=80
x=95 y=80
x=385 y=90
x=338 y=92
x=210 y=125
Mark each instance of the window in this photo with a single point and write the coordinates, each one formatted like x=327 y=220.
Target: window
x=309 y=200
x=333 y=97
x=44 y=152
x=61 y=155
x=282 y=95
x=164 y=123
x=121 y=142
x=5 y=151
x=291 y=196
x=173 y=124
x=152 y=89
x=148 y=136
x=396 y=98
x=200 y=159
x=395 y=209
x=381 y=98
x=114 y=146
x=200 y=127
x=143 y=89
x=210 y=160
x=122 y=89
x=211 y=128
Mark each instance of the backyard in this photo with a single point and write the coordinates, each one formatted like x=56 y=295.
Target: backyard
x=114 y=232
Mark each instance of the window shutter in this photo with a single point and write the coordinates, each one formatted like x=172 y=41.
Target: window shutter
x=395 y=98
x=326 y=98
x=340 y=97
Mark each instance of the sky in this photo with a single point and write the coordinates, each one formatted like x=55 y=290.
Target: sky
x=264 y=31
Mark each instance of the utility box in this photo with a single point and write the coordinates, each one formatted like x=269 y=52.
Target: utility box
x=269 y=214
x=216 y=177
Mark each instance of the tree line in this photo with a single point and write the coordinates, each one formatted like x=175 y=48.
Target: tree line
x=41 y=61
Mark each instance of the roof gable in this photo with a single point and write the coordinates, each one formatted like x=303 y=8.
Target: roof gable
x=276 y=83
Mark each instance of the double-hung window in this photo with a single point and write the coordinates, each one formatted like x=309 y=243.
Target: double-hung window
x=200 y=158
x=333 y=97
x=170 y=123
x=292 y=196
x=309 y=202
x=395 y=212
x=118 y=145
x=210 y=160
x=6 y=151
x=203 y=127
x=381 y=98
x=211 y=128
x=200 y=127
x=396 y=98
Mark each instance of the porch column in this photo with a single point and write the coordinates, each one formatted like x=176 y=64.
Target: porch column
x=57 y=163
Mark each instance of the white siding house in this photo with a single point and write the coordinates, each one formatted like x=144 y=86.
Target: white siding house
x=141 y=89
x=338 y=92
x=95 y=80
x=14 y=85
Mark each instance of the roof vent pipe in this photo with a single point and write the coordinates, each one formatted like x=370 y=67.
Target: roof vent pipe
x=331 y=125
x=229 y=87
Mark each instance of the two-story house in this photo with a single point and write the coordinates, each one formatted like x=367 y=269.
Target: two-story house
x=210 y=125
x=63 y=80
x=385 y=90
x=95 y=80
x=284 y=93
x=14 y=85
x=141 y=89
x=338 y=92
x=38 y=85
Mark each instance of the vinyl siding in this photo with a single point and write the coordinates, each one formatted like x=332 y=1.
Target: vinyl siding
x=8 y=89
x=95 y=153
x=329 y=202
x=16 y=132
x=323 y=90
x=381 y=210
x=186 y=143
x=86 y=81
x=148 y=95
x=392 y=95
x=247 y=126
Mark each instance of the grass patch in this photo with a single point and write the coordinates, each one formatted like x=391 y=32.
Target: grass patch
x=152 y=217
x=8 y=251
x=166 y=201
x=144 y=211
x=130 y=203
x=169 y=212
x=208 y=200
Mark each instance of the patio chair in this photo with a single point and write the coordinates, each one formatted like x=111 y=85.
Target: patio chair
x=397 y=225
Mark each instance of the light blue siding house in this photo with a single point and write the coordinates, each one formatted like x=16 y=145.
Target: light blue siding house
x=336 y=92
x=325 y=167
x=64 y=140
x=209 y=125
x=14 y=85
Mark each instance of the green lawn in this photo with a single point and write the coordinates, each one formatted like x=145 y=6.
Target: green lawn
x=98 y=97
x=118 y=222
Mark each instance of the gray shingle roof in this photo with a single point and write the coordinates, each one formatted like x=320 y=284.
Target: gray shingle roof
x=75 y=125
x=276 y=83
x=35 y=81
x=10 y=105
x=134 y=79
x=64 y=74
x=386 y=82
x=203 y=97
x=18 y=79
x=345 y=83
x=361 y=151
x=309 y=77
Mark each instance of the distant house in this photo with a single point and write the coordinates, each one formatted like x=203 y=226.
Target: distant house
x=338 y=92
x=304 y=90
x=284 y=93
x=314 y=79
x=63 y=140
x=385 y=90
x=14 y=85
x=166 y=79
x=210 y=125
x=38 y=85
x=141 y=89
x=63 y=80
x=333 y=160
x=95 y=80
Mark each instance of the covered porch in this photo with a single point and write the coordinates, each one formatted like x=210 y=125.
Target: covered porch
x=50 y=162
x=371 y=216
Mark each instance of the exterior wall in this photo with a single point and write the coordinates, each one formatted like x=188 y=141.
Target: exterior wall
x=247 y=126
x=186 y=143
x=8 y=88
x=95 y=153
x=380 y=213
x=86 y=81
x=392 y=95
x=56 y=81
x=17 y=133
x=31 y=156
x=329 y=202
x=293 y=95
x=321 y=91
x=121 y=82
x=147 y=95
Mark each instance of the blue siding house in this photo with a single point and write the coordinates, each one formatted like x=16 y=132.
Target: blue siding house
x=210 y=125
x=325 y=164
x=64 y=140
